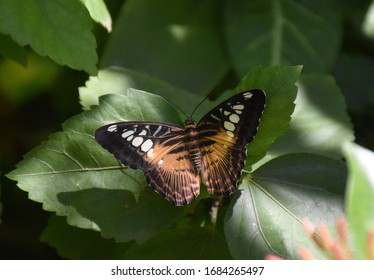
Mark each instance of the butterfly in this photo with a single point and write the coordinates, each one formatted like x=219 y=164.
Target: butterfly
x=175 y=160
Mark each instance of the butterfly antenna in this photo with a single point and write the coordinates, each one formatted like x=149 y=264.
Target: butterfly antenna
x=174 y=105
x=201 y=102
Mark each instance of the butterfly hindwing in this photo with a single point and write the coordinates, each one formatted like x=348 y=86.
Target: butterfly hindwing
x=224 y=133
x=157 y=149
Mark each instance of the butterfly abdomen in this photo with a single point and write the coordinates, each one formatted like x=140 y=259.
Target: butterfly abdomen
x=192 y=141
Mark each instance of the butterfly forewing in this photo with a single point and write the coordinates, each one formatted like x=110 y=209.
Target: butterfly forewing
x=224 y=133
x=174 y=159
x=157 y=149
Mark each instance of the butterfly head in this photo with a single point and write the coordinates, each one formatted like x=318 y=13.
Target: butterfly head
x=189 y=121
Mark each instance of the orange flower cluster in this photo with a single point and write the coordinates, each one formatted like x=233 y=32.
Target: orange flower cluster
x=333 y=249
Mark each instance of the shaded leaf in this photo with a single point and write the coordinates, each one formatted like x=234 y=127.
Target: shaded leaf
x=360 y=195
x=265 y=216
x=282 y=33
x=60 y=29
x=12 y=50
x=182 y=244
x=320 y=123
x=79 y=244
x=167 y=42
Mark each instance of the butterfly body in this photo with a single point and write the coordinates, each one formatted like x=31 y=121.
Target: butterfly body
x=175 y=160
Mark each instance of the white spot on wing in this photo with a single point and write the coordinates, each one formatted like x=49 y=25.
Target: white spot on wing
x=247 y=95
x=157 y=130
x=226 y=113
x=234 y=118
x=137 y=141
x=112 y=128
x=160 y=162
x=229 y=126
x=238 y=107
x=127 y=133
x=150 y=153
x=146 y=145
x=229 y=133
x=215 y=117
x=143 y=132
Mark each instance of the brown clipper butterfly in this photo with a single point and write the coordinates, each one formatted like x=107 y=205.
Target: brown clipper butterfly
x=175 y=160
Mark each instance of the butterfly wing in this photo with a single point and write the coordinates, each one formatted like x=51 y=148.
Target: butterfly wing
x=157 y=149
x=224 y=133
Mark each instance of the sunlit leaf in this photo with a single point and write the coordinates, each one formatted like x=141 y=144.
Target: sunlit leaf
x=360 y=195
x=99 y=12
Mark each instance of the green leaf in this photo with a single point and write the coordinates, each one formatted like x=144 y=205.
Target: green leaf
x=60 y=29
x=167 y=41
x=265 y=216
x=73 y=176
x=12 y=50
x=320 y=123
x=279 y=85
x=182 y=244
x=360 y=195
x=282 y=32
x=99 y=12
x=119 y=80
x=80 y=244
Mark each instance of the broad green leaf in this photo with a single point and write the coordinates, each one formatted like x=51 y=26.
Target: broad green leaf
x=279 y=85
x=175 y=41
x=60 y=29
x=80 y=244
x=12 y=50
x=119 y=80
x=320 y=123
x=73 y=176
x=182 y=244
x=360 y=195
x=282 y=32
x=266 y=214
x=99 y=12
